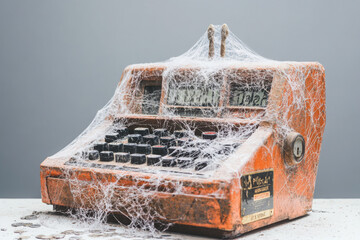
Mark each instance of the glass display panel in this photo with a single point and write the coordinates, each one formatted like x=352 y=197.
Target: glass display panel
x=198 y=96
x=151 y=100
x=249 y=95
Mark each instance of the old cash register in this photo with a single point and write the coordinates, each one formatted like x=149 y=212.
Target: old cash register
x=217 y=141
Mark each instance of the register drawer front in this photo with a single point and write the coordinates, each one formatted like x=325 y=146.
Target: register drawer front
x=201 y=211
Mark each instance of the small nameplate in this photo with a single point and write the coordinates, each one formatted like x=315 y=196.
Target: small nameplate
x=257 y=200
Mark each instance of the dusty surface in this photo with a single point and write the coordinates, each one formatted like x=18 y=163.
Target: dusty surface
x=31 y=219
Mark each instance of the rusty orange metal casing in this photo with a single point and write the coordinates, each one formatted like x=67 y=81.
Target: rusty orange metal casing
x=218 y=202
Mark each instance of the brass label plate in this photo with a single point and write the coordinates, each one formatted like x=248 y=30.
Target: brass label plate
x=257 y=196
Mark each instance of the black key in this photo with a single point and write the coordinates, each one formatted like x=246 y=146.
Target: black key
x=208 y=155
x=122 y=132
x=159 y=150
x=111 y=137
x=167 y=141
x=201 y=165
x=184 y=141
x=168 y=161
x=228 y=148
x=102 y=146
x=201 y=143
x=153 y=159
x=209 y=135
x=190 y=152
x=151 y=139
x=180 y=133
x=185 y=162
x=115 y=147
x=91 y=155
x=141 y=131
x=161 y=132
x=134 y=138
x=143 y=149
x=129 y=147
x=122 y=157
x=106 y=156
x=138 y=158
x=174 y=151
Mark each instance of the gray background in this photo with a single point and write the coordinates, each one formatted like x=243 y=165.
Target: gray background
x=60 y=62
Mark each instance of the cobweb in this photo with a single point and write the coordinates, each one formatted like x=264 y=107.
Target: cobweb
x=193 y=86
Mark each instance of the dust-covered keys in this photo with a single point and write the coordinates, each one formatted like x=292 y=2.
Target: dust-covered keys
x=129 y=147
x=115 y=147
x=184 y=141
x=209 y=135
x=201 y=165
x=168 y=141
x=161 y=132
x=159 y=150
x=106 y=156
x=185 y=162
x=138 y=158
x=134 y=138
x=91 y=155
x=111 y=137
x=190 y=152
x=153 y=159
x=141 y=131
x=174 y=151
x=101 y=146
x=168 y=161
x=122 y=132
x=151 y=139
x=180 y=133
x=143 y=148
x=122 y=157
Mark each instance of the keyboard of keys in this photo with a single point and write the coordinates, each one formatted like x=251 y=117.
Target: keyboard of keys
x=159 y=148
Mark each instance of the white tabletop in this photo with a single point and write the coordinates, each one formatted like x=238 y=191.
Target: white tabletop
x=330 y=219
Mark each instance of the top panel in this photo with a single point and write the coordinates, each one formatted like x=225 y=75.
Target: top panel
x=196 y=96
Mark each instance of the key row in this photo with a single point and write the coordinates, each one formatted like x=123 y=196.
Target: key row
x=159 y=136
x=146 y=149
x=150 y=159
